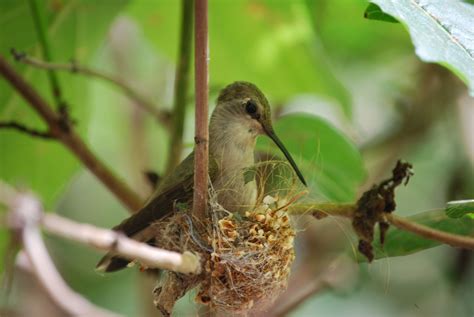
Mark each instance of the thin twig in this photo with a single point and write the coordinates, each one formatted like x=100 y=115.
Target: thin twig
x=201 y=157
x=181 y=85
x=45 y=47
x=70 y=138
x=22 y=128
x=147 y=105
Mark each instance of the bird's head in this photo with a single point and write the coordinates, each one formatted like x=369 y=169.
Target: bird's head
x=243 y=109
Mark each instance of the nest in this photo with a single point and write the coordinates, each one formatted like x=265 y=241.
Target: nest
x=246 y=258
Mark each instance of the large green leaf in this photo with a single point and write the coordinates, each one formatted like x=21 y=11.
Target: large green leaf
x=270 y=43
x=46 y=166
x=399 y=242
x=441 y=30
x=330 y=162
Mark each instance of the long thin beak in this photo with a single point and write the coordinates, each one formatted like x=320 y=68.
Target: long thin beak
x=271 y=134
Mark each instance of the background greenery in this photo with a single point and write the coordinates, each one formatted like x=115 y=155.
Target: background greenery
x=351 y=97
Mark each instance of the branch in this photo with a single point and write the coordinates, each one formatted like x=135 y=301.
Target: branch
x=181 y=85
x=70 y=138
x=322 y=210
x=109 y=240
x=147 y=105
x=451 y=239
x=24 y=220
x=26 y=213
x=201 y=157
x=22 y=128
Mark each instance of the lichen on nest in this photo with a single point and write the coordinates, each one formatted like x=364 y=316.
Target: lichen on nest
x=246 y=258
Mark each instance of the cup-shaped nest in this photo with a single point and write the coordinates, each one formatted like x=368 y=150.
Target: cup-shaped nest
x=251 y=259
x=246 y=259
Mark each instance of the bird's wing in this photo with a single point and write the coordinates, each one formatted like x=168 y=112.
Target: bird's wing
x=177 y=187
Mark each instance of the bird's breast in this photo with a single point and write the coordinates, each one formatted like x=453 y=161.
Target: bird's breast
x=234 y=190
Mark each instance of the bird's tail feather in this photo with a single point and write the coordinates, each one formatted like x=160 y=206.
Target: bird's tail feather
x=110 y=263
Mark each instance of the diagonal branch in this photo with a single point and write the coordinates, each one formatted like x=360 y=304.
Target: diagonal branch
x=147 y=105
x=70 y=138
x=22 y=128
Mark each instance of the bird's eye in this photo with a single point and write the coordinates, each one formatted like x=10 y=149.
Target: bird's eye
x=250 y=107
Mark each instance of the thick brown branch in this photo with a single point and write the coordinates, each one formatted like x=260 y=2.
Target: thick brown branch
x=24 y=129
x=162 y=116
x=70 y=138
x=201 y=158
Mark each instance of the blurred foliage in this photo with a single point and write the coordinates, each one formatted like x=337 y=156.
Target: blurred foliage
x=352 y=73
x=374 y=12
x=73 y=37
x=265 y=35
x=330 y=162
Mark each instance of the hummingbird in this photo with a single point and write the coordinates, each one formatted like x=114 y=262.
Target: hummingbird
x=242 y=113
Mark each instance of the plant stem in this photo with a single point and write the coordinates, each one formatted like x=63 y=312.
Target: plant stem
x=181 y=85
x=201 y=158
x=71 y=139
x=45 y=47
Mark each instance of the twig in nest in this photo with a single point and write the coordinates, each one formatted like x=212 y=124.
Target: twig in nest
x=374 y=205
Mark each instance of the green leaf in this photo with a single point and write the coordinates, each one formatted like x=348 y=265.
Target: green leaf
x=460 y=208
x=373 y=12
x=46 y=166
x=329 y=161
x=441 y=31
x=399 y=242
x=270 y=43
